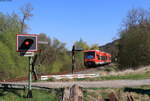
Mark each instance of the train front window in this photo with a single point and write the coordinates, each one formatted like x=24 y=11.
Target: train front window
x=89 y=55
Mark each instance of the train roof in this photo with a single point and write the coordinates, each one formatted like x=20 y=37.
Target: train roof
x=91 y=50
x=97 y=51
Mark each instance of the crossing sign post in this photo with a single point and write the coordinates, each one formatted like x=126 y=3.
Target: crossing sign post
x=26 y=44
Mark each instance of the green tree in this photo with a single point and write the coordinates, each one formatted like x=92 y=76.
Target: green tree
x=53 y=57
x=79 y=55
x=12 y=64
x=95 y=47
x=134 y=44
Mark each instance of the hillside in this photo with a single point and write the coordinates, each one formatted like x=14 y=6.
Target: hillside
x=111 y=48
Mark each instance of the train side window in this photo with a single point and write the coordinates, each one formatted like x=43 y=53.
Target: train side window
x=102 y=57
x=98 y=57
x=105 y=57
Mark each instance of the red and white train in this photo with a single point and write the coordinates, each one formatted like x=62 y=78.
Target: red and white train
x=96 y=57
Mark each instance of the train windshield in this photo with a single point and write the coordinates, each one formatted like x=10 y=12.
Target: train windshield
x=89 y=55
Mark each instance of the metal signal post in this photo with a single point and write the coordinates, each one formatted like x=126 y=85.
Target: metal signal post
x=27 y=44
x=29 y=95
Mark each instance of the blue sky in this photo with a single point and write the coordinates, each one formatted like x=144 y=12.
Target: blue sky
x=95 y=21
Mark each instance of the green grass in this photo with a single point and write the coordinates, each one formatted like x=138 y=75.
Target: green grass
x=110 y=77
x=20 y=95
x=129 y=76
x=118 y=77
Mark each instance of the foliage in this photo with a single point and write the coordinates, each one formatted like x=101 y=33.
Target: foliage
x=95 y=47
x=18 y=95
x=134 y=44
x=79 y=55
x=11 y=63
x=52 y=58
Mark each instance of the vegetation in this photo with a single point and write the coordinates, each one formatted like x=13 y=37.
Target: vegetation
x=51 y=58
x=133 y=47
x=138 y=93
x=20 y=95
x=132 y=50
x=131 y=76
x=10 y=62
x=110 y=77
x=134 y=43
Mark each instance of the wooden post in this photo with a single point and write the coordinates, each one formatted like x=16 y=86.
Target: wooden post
x=73 y=58
x=129 y=97
x=66 y=94
x=73 y=94
x=113 y=97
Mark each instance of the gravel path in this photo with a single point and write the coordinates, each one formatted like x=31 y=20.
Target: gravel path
x=88 y=84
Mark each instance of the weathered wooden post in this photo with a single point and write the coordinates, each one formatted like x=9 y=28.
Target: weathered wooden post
x=129 y=97
x=73 y=58
x=74 y=93
x=74 y=50
x=113 y=97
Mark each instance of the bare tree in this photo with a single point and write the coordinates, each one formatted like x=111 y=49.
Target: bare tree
x=26 y=12
x=136 y=17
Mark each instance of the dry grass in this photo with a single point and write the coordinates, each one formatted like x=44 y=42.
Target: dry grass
x=141 y=70
x=121 y=94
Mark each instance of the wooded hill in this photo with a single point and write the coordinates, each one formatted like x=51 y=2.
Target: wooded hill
x=112 y=48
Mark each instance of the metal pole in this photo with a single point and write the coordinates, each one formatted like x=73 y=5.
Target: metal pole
x=29 y=95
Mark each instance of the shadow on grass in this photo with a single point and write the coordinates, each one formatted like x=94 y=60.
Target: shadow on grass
x=7 y=91
x=2 y=94
x=22 y=93
x=138 y=90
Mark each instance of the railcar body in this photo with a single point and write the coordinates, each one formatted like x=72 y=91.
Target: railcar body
x=96 y=57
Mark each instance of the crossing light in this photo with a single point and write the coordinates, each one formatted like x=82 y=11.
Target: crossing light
x=26 y=42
